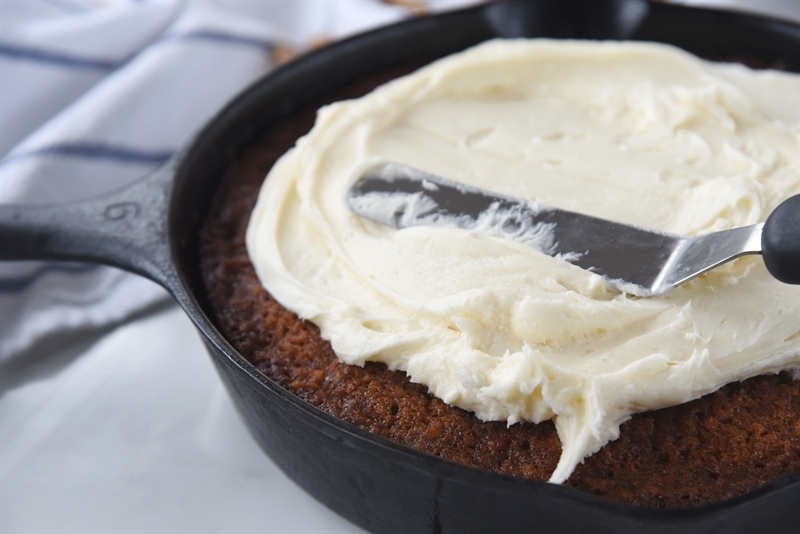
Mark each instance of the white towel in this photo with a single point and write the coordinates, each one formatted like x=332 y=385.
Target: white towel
x=97 y=93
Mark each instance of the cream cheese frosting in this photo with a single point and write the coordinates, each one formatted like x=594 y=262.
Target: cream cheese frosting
x=639 y=133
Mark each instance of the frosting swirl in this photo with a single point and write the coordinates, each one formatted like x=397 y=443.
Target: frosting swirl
x=640 y=133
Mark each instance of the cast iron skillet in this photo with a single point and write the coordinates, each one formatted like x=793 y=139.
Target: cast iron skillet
x=150 y=228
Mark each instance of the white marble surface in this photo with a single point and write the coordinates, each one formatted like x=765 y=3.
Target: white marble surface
x=96 y=437
x=130 y=430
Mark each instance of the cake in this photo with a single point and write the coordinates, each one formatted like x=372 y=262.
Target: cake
x=724 y=444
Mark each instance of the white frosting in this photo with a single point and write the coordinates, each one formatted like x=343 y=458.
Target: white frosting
x=640 y=133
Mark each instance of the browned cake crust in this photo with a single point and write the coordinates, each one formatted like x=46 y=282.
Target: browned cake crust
x=708 y=450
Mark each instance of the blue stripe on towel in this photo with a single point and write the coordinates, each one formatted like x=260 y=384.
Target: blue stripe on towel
x=18 y=284
x=219 y=37
x=61 y=59
x=96 y=151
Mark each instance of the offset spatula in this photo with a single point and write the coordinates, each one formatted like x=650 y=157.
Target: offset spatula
x=635 y=260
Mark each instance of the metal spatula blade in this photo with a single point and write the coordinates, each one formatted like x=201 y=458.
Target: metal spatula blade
x=635 y=260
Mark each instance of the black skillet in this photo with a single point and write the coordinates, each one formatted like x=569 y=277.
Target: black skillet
x=150 y=228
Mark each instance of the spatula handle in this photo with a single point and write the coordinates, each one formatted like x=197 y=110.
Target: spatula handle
x=780 y=241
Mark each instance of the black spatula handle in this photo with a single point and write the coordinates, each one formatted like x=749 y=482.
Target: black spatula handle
x=780 y=241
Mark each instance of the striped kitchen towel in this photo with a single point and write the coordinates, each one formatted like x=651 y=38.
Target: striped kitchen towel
x=94 y=94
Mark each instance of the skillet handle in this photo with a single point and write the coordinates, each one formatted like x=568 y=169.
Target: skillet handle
x=126 y=229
